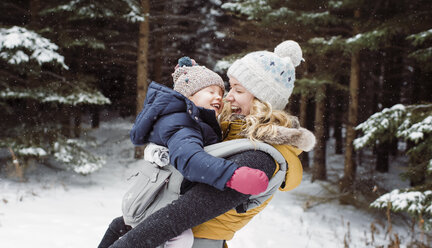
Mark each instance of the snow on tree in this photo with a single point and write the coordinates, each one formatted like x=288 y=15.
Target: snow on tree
x=252 y=8
x=422 y=41
x=51 y=73
x=381 y=126
x=73 y=153
x=416 y=203
x=19 y=45
x=32 y=90
x=84 y=10
x=412 y=124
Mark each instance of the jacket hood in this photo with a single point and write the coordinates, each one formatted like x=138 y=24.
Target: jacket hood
x=298 y=137
x=161 y=101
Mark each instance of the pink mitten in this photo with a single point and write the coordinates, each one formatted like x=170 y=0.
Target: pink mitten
x=248 y=181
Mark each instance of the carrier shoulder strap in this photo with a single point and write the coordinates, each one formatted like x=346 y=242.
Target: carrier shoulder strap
x=231 y=147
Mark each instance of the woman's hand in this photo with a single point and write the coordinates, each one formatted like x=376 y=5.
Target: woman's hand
x=248 y=181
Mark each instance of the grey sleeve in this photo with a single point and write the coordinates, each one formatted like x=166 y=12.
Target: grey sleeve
x=198 y=205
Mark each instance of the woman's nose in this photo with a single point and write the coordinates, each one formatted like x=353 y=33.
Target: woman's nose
x=229 y=97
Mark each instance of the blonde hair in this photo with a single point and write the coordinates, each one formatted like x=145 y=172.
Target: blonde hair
x=262 y=120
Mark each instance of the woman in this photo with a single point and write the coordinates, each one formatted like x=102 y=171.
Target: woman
x=184 y=120
x=261 y=84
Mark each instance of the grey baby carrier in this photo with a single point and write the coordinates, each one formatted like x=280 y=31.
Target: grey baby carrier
x=154 y=187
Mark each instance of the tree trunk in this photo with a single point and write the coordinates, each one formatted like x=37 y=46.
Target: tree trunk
x=77 y=121
x=337 y=123
x=304 y=157
x=319 y=160
x=33 y=106
x=33 y=12
x=326 y=120
x=158 y=60
x=382 y=157
x=65 y=120
x=142 y=64
x=390 y=81
x=94 y=116
x=158 y=42
x=350 y=163
x=381 y=149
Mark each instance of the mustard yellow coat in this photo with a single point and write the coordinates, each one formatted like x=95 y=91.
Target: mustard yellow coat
x=224 y=226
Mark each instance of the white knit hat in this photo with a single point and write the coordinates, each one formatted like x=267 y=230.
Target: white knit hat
x=269 y=76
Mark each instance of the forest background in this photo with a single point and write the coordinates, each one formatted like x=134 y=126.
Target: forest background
x=366 y=81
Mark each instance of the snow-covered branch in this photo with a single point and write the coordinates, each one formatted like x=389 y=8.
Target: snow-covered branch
x=82 y=97
x=416 y=203
x=74 y=155
x=19 y=45
x=380 y=126
x=420 y=38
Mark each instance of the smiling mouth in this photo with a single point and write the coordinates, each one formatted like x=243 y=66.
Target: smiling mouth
x=217 y=106
x=235 y=109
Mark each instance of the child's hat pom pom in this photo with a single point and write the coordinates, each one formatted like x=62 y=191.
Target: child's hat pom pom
x=185 y=61
x=290 y=49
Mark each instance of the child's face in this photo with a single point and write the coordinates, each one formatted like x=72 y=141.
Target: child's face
x=239 y=97
x=209 y=98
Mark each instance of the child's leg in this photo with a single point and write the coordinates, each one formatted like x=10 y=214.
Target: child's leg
x=116 y=229
x=184 y=240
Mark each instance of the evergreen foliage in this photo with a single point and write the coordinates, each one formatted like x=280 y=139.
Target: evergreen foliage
x=68 y=58
x=46 y=79
x=423 y=48
x=193 y=28
x=413 y=125
x=418 y=204
x=393 y=40
x=15 y=41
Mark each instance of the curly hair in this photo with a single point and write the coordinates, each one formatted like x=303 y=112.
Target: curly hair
x=261 y=121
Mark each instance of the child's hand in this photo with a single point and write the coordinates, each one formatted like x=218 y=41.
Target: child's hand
x=248 y=181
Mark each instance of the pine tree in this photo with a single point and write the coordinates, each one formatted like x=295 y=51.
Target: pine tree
x=44 y=80
x=347 y=32
x=319 y=160
x=193 y=28
x=142 y=65
x=297 y=20
x=99 y=40
x=413 y=124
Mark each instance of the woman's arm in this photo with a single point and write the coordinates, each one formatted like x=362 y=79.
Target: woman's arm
x=198 y=205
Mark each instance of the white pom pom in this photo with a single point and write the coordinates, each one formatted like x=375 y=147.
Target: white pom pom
x=290 y=49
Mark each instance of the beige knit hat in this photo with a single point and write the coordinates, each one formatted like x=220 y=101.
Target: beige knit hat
x=190 y=78
x=269 y=76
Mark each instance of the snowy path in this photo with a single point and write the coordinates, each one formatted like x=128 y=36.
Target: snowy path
x=60 y=209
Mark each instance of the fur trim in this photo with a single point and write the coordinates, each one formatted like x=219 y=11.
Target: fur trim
x=298 y=137
x=236 y=117
x=294 y=121
x=295 y=136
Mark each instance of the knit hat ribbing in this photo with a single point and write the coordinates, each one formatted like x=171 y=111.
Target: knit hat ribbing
x=190 y=78
x=269 y=76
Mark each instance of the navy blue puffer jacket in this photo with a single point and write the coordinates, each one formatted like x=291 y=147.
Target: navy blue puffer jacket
x=170 y=119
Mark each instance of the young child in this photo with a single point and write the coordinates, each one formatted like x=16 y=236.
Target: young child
x=184 y=120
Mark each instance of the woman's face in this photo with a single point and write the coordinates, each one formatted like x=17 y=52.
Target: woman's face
x=239 y=98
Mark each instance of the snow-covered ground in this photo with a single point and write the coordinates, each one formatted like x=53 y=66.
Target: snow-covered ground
x=63 y=209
